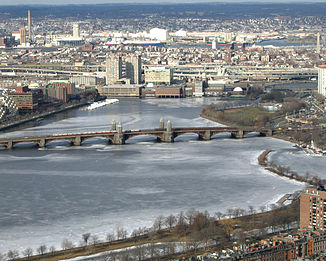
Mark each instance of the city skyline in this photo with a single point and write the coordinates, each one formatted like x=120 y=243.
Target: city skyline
x=63 y=2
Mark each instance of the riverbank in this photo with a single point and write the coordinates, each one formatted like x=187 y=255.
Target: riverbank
x=286 y=172
x=41 y=115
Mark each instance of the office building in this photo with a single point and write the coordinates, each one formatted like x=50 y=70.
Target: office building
x=158 y=75
x=313 y=208
x=113 y=69
x=75 y=32
x=133 y=68
x=120 y=90
x=56 y=92
x=22 y=32
x=322 y=80
x=318 y=43
x=26 y=99
x=29 y=26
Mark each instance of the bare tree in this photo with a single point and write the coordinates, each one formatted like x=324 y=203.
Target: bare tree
x=152 y=250
x=139 y=252
x=86 y=236
x=219 y=215
x=251 y=210
x=52 y=249
x=194 y=240
x=158 y=223
x=27 y=252
x=41 y=249
x=121 y=232
x=110 y=237
x=230 y=212
x=262 y=209
x=12 y=254
x=190 y=214
x=66 y=244
x=94 y=239
x=170 y=222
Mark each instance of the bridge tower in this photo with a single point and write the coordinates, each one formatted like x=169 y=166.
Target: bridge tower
x=119 y=138
x=113 y=125
x=161 y=123
x=168 y=135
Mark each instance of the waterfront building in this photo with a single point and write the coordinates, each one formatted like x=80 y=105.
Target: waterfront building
x=159 y=75
x=113 y=69
x=26 y=99
x=170 y=92
x=133 y=68
x=120 y=90
x=70 y=87
x=322 y=80
x=199 y=88
x=56 y=91
x=313 y=208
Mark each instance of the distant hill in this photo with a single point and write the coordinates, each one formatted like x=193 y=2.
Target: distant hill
x=209 y=10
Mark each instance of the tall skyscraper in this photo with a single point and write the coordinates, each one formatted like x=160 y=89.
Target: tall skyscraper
x=318 y=43
x=75 y=32
x=133 y=68
x=313 y=208
x=322 y=80
x=113 y=69
x=29 y=26
x=22 y=32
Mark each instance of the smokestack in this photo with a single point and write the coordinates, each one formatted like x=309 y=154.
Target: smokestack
x=318 y=43
x=29 y=26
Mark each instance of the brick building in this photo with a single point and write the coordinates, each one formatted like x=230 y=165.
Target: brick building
x=313 y=208
x=27 y=100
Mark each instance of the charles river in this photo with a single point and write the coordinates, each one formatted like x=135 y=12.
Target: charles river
x=62 y=192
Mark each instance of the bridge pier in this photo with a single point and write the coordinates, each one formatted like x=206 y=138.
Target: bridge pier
x=41 y=143
x=269 y=133
x=161 y=123
x=238 y=135
x=119 y=138
x=113 y=126
x=168 y=135
x=77 y=141
x=206 y=136
x=10 y=145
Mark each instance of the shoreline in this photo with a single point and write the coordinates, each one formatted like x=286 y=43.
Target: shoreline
x=4 y=127
x=281 y=171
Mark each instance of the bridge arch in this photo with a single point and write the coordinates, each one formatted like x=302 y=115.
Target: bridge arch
x=59 y=140
x=131 y=137
x=88 y=139
x=179 y=136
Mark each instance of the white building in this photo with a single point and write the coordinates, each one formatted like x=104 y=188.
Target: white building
x=181 y=33
x=322 y=80
x=75 y=31
x=159 y=34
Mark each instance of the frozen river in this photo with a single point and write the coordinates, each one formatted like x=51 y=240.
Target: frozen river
x=62 y=192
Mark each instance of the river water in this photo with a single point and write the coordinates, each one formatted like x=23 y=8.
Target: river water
x=62 y=192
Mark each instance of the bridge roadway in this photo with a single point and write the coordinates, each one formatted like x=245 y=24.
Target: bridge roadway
x=118 y=136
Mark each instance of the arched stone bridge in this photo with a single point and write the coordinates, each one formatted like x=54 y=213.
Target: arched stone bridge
x=118 y=136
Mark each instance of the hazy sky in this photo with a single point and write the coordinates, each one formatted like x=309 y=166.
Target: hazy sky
x=26 y=2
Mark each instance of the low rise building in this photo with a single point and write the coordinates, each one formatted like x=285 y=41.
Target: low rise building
x=120 y=90
x=159 y=75
x=26 y=99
